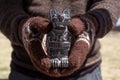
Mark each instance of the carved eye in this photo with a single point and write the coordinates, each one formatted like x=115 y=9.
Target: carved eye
x=55 y=18
x=67 y=16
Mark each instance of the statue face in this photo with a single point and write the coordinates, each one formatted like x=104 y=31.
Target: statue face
x=60 y=20
x=60 y=17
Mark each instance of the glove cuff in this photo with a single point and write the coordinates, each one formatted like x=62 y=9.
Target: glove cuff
x=104 y=21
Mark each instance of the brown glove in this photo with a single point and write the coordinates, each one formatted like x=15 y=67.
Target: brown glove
x=83 y=27
x=30 y=33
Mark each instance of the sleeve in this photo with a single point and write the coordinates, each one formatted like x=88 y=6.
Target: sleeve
x=11 y=12
x=106 y=13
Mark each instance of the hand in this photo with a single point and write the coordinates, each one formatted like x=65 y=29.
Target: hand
x=83 y=28
x=78 y=53
x=30 y=33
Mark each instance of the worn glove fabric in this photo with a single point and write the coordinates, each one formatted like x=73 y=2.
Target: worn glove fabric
x=32 y=32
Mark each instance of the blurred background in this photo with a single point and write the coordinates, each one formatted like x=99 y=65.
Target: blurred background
x=110 y=54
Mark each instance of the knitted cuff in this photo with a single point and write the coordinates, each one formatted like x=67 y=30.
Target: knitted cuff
x=104 y=21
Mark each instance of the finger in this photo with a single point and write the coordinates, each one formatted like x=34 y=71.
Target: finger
x=45 y=62
x=79 y=50
x=76 y=26
x=72 y=29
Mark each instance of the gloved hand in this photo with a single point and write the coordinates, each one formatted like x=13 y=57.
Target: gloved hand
x=83 y=27
x=31 y=31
